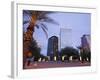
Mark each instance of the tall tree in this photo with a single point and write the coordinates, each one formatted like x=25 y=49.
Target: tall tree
x=37 y=19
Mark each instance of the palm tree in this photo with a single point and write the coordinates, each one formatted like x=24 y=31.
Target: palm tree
x=37 y=19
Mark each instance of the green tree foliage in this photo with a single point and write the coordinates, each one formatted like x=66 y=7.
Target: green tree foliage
x=69 y=51
x=35 y=50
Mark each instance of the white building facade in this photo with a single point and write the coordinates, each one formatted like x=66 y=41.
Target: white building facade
x=65 y=37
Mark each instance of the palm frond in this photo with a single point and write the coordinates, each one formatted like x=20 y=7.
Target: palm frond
x=44 y=25
x=44 y=30
x=41 y=15
x=25 y=22
x=27 y=12
x=44 y=13
x=48 y=20
x=37 y=26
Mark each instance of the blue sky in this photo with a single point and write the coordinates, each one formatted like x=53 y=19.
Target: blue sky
x=80 y=23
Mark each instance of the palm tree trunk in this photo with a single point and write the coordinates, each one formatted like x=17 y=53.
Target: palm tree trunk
x=27 y=39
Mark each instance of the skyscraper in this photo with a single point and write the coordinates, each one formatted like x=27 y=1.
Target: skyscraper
x=65 y=37
x=52 y=49
x=86 y=41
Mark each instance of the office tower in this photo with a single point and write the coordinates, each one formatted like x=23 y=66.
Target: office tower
x=65 y=37
x=86 y=41
x=52 y=49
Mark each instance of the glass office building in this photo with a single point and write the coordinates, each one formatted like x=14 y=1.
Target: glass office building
x=65 y=37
